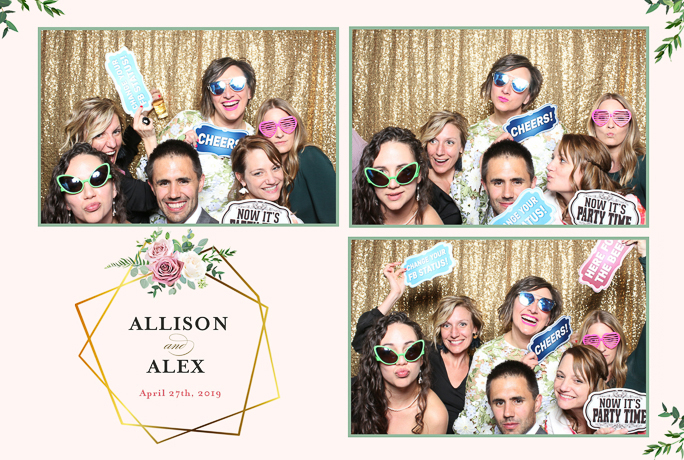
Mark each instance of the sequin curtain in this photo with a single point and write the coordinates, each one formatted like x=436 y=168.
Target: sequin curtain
x=296 y=65
x=401 y=76
x=485 y=270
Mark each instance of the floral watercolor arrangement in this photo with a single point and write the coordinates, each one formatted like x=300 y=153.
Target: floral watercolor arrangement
x=169 y=263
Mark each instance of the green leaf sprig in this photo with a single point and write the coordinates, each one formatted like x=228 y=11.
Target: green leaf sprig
x=670 y=43
x=45 y=5
x=677 y=438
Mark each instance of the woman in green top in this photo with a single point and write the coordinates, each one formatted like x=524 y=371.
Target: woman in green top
x=313 y=192
x=612 y=122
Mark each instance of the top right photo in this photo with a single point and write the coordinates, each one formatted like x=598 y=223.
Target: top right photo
x=499 y=126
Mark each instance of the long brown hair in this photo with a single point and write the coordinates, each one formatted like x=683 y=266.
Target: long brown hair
x=592 y=158
x=618 y=375
x=632 y=148
x=369 y=395
x=291 y=162
x=238 y=158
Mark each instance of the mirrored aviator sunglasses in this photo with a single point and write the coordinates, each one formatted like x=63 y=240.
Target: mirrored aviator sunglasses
x=620 y=117
x=236 y=84
x=73 y=185
x=519 y=85
x=545 y=305
x=390 y=357
x=287 y=125
x=405 y=176
x=609 y=339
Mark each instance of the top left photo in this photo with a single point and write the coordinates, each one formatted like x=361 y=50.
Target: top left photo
x=188 y=126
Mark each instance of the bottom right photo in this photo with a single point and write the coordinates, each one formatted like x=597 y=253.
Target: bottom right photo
x=498 y=337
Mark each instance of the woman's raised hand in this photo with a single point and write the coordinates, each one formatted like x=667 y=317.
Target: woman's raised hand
x=145 y=129
x=395 y=278
x=531 y=360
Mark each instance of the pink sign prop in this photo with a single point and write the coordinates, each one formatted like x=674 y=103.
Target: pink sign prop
x=606 y=257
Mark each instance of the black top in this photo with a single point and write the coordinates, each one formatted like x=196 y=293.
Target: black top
x=637 y=185
x=445 y=206
x=140 y=200
x=453 y=398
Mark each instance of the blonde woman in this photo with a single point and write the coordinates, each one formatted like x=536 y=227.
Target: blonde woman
x=313 y=190
x=602 y=330
x=612 y=122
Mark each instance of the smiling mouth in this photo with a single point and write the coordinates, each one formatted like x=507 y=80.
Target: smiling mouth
x=273 y=189
x=565 y=397
x=529 y=320
x=176 y=206
x=231 y=105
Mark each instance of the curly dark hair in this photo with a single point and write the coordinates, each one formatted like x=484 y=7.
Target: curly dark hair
x=366 y=207
x=55 y=210
x=369 y=395
x=528 y=284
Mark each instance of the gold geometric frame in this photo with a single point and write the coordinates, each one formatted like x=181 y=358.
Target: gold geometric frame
x=263 y=310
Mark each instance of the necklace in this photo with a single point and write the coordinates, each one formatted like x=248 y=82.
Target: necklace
x=404 y=408
x=412 y=217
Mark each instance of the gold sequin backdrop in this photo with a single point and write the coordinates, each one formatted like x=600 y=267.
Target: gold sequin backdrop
x=485 y=270
x=296 y=65
x=401 y=76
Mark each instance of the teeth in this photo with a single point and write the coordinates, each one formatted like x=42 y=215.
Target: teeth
x=230 y=103
x=529 y=319
x=175 y=205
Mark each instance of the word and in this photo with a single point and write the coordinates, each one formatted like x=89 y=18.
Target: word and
x=429 y=264
x=179 y=342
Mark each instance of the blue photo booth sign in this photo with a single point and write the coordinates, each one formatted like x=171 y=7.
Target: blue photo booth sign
x=123 y=69
x=429 y=264
x=530 y=208
x=545 y=342
x=217 y=141
x=523 y=126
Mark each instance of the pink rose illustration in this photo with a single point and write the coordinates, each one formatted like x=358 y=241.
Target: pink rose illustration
x=158 y=249
x=167 y=270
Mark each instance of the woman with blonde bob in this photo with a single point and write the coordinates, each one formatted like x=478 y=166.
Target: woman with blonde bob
x=602 y=330
x=443 y=137
x=100 y=122
x=456 y=324
x=582 y=371
x=312 y=191
x=612 y=122
x=580 y=162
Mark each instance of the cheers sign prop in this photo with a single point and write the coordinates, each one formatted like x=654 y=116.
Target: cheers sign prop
x=256 y=212
x=541 y=120
x=619 y=408
x=530 y=208
x=217 y=141
x=606 y=257
x=601 y=207
x=548 y=340
x=429 y=264
x=122 y=67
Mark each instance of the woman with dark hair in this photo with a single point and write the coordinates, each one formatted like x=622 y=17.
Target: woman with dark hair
x=581 y=162
x=259 y=173
x=582 y=371
x=612 y=123
x=443 y=137
x=390 y=184
x=512 y=85
x=227 y=87
x=84 y=189
x=530 y=306
x=391 y=393
x=456 y=325
x=100 y=122
x=312 y=193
